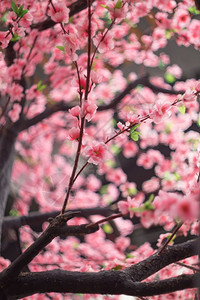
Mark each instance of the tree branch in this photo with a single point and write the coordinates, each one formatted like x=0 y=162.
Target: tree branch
x=111 y=282
x=56 y=227
x=104 y=282
x=156 y=262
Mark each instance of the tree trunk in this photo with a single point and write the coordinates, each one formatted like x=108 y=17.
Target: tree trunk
x=7 y=153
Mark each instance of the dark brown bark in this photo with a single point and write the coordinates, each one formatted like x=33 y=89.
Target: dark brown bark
x=111 y=282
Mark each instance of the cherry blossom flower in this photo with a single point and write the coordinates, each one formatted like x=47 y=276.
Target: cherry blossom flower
x=88 y=110
x=104 y=42
x=74 y=134
x=160 y=111
x=75 y=111
x=116 y=175
x=61 y=14
x=96 y=152
x=14 y=113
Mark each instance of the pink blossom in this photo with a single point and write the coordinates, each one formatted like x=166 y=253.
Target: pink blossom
x=4 y=263
x=93 y=183
x=129 y=205
x=88 y=110
x=130 y=149
x=96 y=152
x=95 y=77
x=197 y=87
x=15 y=91
x=14 y=71
x=116 y=175
x=75 y=111
x=14 y=113
x=26 y=20
x=187 y=208
x=32 y=92
x=181 y=18
x=128 y=189
x=123 y=207
x=160 y=111
x=194 y=31
x=71 y=44
x=118 y=13
x=189 y=95
x=122 y=243
x=4 y=39
x=74 y=134
x=174 y=70
x=121 y=126
x=104 y=42
x=151 y=185
x=61 y=14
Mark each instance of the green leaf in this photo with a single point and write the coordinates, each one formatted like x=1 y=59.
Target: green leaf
x=117 y=268
x=135 y=136
x=168 y=34
x=15 y=37
x=105 y=6
x=103 y=189
x=107 y=228
x=110 y=163
x=20 y=10
x=161 y=65
x=3 y=18
x=193 y=10
x=170 y=78
x=168 y=127
x=114 y=123
x=107 y=18
x=115 y=149
x=132 y=191
x=14 y=7
x=135 y=127
x=13 y=212
x=40 y=86
x=23 y=13
x=137 y=209
x=198 y=122
x=62 y=48
x=118 y=5
x=177 y=176
x=129 y=255
x=148 y=204
x=182 y=109
x=139 y=87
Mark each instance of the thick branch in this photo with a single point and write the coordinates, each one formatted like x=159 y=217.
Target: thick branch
x=156 y=262
x=56 y=227
x=105 y=282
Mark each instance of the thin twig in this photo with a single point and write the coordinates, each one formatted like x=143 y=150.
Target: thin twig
x=187 y=266
x=170 y=238
x=105 y=220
